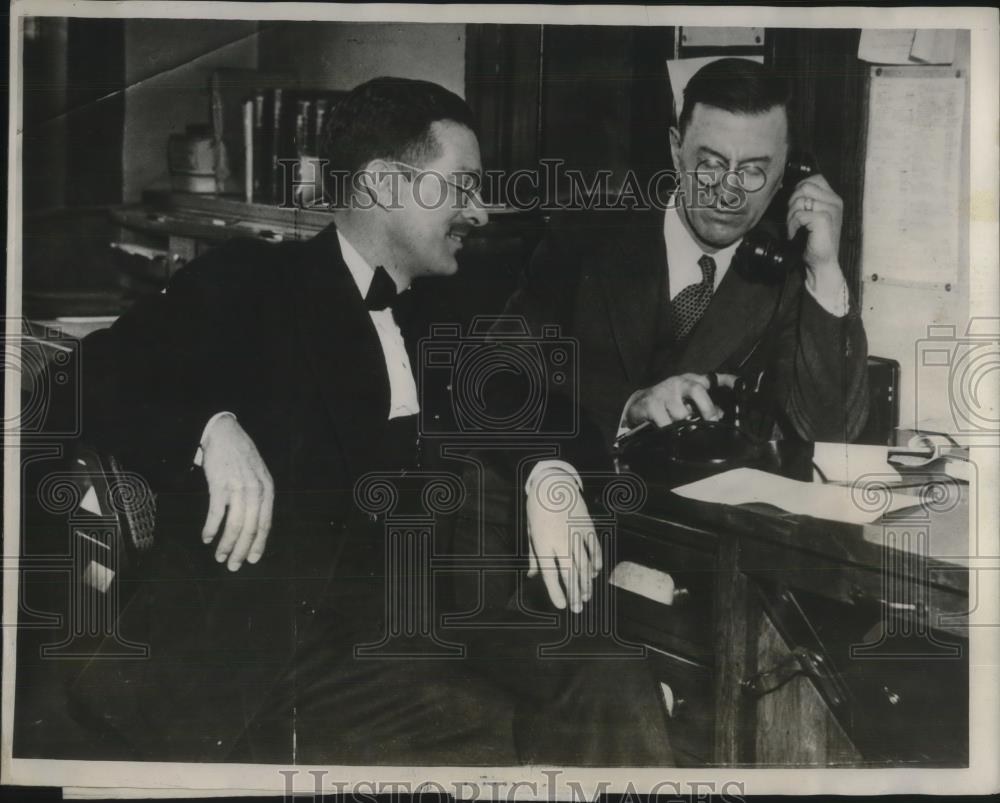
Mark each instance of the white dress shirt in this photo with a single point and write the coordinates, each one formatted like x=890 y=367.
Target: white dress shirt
x=683 y=253
x=403 y=398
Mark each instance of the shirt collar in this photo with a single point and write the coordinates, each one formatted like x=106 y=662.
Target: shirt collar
x=683 y=249
x=361 y=271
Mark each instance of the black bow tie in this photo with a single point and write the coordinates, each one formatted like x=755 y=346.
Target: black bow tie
x=381 y=292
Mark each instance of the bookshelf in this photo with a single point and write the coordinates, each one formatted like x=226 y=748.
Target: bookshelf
x=216 y=218
x=170 y=229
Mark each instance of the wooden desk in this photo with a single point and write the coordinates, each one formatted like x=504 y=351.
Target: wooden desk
x=801 y=641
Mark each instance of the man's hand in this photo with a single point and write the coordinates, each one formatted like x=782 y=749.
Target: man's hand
x=240 y=489
x=564 y=545
x=675 y=399
x=815 y=206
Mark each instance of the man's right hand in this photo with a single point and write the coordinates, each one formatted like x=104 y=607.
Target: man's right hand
x=563 y=543
x=240 y=489
x=675 y=399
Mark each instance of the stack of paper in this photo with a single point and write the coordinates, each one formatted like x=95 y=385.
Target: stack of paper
x=858 y=505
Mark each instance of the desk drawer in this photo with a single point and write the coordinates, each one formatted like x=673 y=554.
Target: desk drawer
x=692 y=720
x=906 y=686
x=929 y=591
x=686 y=625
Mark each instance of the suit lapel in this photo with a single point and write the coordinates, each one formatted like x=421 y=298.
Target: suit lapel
x=635 y=285
x=341 y=346
x=732 y=325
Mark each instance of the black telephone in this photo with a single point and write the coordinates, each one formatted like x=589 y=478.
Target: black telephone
x=765 y=253
x=693 y=448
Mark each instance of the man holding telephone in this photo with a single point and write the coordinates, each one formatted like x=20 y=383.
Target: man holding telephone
x=666 y=306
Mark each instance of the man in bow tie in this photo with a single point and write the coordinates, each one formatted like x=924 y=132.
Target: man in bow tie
x=253 y=394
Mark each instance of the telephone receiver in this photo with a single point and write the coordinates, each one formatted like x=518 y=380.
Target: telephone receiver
x=765 y=253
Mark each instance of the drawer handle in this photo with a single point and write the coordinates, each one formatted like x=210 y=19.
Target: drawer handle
x=916 y=609
x=676 y=706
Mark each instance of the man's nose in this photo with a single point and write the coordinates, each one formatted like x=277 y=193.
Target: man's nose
x=728 y=198
x=475 y=211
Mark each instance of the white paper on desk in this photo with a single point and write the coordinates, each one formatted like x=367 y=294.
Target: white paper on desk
x=848 y=462
x=835 y=502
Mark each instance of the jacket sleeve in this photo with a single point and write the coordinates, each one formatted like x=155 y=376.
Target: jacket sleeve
x=821 y=369
x=153 y=380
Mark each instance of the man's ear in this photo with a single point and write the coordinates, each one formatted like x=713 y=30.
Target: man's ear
x=675 y=146
x=377 y=184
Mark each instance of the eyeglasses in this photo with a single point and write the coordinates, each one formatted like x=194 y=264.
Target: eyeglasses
x=712 y=172
x=467 y=187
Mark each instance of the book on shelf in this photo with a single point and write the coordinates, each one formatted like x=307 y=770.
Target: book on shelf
x=268 y=128
x=294 y=143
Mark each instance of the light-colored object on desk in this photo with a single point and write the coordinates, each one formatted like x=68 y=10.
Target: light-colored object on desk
x=642 y=580
x=835 y=502
x=933 y=447
x=681 y=71
x=668 y=698
x=847 y=462
x=89 y=502
x=922 y=450
x=98 y=576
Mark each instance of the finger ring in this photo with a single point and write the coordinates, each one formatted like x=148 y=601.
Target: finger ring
x=713 y=381
x=809 y=204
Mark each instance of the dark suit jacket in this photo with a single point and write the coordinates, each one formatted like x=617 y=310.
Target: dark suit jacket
x=279 y=335
x=604 y=279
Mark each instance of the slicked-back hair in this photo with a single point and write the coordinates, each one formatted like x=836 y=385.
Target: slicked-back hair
x=389 y=118
x=735 y=85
